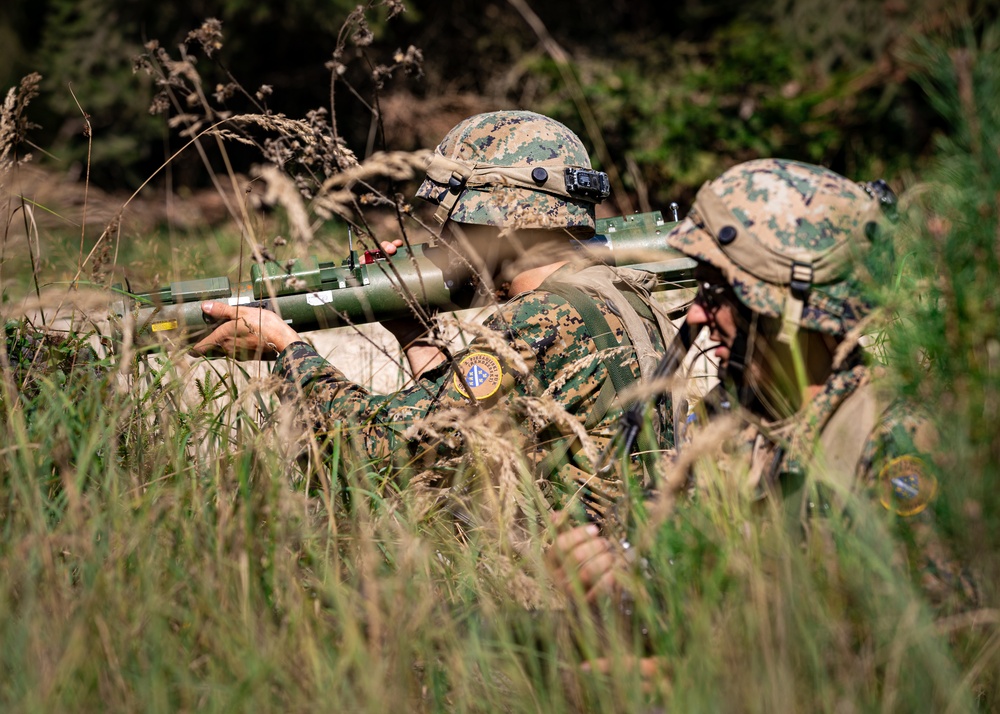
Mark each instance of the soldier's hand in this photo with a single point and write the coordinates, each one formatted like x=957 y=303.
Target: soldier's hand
x=244 y=333
x=581 y=559
x=389 y=247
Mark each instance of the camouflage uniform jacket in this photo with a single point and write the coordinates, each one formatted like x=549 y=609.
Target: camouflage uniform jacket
x=852 y=440
x=536 y=366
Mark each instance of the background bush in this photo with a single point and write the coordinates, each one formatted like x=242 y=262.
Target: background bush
x=164 y=547
x=666 y=99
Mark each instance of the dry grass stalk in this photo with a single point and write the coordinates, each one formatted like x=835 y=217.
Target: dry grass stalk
x=335 y=204
x=496 y=343
x=706 y=444
x=585 y=362
x=394 y=165
x=282 y=191
x=485 y=439
x=544 y=411
x=14 y=124
x=649 y=389
x=853 y=338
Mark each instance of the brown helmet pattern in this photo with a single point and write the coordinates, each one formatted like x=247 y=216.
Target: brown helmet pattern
x=787 y=236
x=514 y=169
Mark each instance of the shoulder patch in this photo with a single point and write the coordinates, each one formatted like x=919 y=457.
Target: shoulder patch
x=906 y=487
x=482 y=372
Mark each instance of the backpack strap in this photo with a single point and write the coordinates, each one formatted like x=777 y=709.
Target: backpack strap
x=844 y=436
x=837 y=454
x=600 y=332
x=620 y=376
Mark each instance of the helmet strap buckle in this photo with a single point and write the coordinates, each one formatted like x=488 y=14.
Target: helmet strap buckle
x=801 y=279
x=448 y=199
x=799 y=284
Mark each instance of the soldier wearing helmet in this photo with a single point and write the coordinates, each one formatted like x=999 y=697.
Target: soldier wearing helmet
x=781 y=249
x=513 y=191
x=778 y=245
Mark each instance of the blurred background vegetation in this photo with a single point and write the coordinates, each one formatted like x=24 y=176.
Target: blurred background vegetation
x=160 y=550
x=665 y=96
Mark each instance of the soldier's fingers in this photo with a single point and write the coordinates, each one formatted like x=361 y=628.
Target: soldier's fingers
x=649 y=667
x=214 y=342
x=560 y=519
x=589 y=549
x=597 y=574
x=219 y=311
x=389 y=247
x=269 y=328
x=604 y=586
x=567 y=541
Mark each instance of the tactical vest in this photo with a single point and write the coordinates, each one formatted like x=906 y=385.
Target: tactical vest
x=626 y=293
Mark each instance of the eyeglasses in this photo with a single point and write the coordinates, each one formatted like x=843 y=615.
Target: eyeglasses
x=713 y=290
x=711 y=296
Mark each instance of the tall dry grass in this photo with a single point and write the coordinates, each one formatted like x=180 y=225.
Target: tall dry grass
x=172 y=543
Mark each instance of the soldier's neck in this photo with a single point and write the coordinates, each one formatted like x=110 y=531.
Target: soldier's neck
x=810 y=392
x=532 y=278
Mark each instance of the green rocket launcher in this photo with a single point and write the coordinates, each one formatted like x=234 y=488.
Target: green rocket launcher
x=314 y=295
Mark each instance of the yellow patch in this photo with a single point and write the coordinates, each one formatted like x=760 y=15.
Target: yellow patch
x=481 y=372
x=905 y=486
x=163 y=326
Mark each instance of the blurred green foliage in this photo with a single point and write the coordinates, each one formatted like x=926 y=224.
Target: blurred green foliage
x=87 y=49
x=160 y=550
x=945 y=346
x=85 y=57
x=675 y=96
x=684 y=110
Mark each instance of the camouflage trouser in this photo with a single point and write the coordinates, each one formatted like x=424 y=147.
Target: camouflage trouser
x=948 y=585
x=923 y=551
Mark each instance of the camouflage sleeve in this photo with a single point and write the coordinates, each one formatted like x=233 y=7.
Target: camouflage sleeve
x=517 y=353
x=900 y=474
x=330 y=399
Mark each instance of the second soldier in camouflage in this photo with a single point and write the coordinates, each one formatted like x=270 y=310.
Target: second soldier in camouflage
x=781 y=248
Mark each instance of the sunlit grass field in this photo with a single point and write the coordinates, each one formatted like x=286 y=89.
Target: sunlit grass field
x=179 y=543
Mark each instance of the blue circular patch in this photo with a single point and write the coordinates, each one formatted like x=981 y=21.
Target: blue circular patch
x=481 y=373
x=906 y=486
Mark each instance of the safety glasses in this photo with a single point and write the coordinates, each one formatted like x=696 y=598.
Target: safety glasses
x=713 y=290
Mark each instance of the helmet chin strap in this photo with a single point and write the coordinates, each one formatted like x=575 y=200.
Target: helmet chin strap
x=744 y=383
x=741 y=354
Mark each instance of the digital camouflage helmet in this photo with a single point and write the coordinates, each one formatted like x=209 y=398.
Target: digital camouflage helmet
x=787 y=237
x=514 y=169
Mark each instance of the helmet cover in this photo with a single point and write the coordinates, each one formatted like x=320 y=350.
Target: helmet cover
x=531 y=152
x=787 y=237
